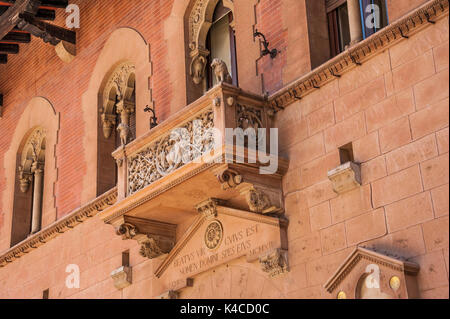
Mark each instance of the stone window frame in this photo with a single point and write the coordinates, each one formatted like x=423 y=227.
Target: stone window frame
x=198 y=21
x=397 y=278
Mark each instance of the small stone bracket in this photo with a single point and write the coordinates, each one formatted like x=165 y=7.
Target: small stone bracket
x=122 y=277
x=169 y=295
x=275 y=262
x=209 y=207
x=155 y=238
x=345 y=177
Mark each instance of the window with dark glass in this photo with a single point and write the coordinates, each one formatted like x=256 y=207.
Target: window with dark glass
x=221 y=43
x=347 y=26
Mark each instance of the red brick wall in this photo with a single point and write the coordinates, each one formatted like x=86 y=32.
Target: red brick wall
x=43 y=74
x=394 y=109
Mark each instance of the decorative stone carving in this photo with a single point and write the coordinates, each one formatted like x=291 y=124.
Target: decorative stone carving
x=257 y=201
x=209 y=207
x=214 y=235
x=171 y=152
x=249 y=117
x=127 y=231
x=345 y=177
x=229 y=179
x=220 y=70
x=155 y=238
x=24 y=179
x=118 y=94
x=274 y=263
x=122 y=277
x=198 y=66
x=155 y=247
x=108 y=123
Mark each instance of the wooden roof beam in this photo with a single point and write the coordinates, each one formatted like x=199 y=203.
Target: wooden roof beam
x=48 y=32
x=9 y=48
x=43 y=14
x=58 y=4
x=17 y=37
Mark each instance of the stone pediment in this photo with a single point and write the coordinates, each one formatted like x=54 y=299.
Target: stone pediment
x=221 y=235
x=369 y=274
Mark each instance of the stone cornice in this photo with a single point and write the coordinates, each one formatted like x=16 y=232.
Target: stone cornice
x=61 y=226
x=359 y=53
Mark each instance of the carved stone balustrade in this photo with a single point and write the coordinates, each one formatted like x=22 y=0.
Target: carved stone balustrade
x=166 y=174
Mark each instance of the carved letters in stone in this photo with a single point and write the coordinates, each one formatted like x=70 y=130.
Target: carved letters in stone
x=171 y=152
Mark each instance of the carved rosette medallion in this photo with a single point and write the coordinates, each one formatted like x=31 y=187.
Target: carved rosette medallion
x=164 y=156
x=213 y=235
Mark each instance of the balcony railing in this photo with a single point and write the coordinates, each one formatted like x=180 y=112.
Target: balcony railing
x=187 y=135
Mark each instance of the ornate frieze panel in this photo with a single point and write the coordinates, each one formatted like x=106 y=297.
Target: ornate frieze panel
x=181 y=146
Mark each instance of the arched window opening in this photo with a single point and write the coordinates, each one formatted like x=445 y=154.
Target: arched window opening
x=221 y=43
x=210 y=35
x=117 y=122
x=29 y=187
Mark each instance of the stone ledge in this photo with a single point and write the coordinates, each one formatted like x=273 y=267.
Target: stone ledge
x=359 y=53
x=68 y=222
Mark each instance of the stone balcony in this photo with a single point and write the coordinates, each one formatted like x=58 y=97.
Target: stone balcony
x=169 y=176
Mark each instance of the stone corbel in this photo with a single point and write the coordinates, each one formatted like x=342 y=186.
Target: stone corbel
x=345 y=177
x=258 y=201
x=275 y=262
x=199 y=59
x=122 y=277
x=24 y=180
x=155 y=238
x=208 y=208
x=259 y=198
x=108 y=123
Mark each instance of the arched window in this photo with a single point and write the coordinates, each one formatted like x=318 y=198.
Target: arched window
x=117 y=122
x=221 y=42
x=29 y=187
x=210 y=32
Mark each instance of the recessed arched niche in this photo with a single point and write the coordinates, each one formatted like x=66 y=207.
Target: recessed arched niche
x=367 y=274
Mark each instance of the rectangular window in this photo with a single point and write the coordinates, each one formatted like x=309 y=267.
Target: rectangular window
x=338 y=26
x=373 y=15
